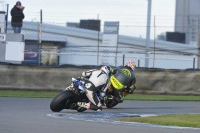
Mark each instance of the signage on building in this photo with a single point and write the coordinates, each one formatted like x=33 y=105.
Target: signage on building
x=111 y=28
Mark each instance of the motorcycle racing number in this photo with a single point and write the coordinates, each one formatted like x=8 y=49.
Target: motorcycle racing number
x=116 y=83
x=126 y=72
x=88 y=85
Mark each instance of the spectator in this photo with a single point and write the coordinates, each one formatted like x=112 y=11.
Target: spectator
x=17 y=17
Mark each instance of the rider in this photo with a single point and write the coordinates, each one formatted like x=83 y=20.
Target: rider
x=95 y=80
x=122 y=83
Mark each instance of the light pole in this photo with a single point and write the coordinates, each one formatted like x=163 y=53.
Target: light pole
x=148 y=33
x=6 y=19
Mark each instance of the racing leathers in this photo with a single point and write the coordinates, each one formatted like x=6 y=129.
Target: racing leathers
x=122 y=82
x=95 y=80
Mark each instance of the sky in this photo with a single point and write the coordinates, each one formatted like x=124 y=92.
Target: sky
x=128 y=12
x=131 y=14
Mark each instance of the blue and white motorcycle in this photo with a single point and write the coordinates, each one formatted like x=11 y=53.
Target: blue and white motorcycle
x=68 y=99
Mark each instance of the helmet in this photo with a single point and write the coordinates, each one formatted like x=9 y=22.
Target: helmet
x=106 y=69
x=130 y=64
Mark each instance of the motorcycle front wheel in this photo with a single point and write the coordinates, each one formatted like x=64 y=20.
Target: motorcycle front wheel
x=60 y=101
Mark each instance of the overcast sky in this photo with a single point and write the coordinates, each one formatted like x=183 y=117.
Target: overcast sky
x=128 y=12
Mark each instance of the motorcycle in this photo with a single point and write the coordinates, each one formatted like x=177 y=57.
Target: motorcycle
x=68 y=99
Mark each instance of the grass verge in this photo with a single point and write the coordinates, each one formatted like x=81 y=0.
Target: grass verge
x=162 y=97
x=27 y=94
x=182 y=120
x=48 y=94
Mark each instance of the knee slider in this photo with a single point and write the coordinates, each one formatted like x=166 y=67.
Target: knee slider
x=94 y=107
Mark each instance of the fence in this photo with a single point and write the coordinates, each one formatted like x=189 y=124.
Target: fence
x=58 y=44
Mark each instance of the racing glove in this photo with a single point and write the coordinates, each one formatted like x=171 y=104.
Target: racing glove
x=131 y=89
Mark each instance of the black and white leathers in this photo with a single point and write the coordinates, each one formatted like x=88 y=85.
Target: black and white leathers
x=96 y=80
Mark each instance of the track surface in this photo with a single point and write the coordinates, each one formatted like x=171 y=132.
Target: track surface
x=31 y=115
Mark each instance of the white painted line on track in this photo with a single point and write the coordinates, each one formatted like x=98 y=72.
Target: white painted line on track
x=106 y=118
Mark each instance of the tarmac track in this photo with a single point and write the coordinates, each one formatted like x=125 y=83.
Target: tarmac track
x=32 y=115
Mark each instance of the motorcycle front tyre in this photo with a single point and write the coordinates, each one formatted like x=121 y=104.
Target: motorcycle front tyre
x=59 y=102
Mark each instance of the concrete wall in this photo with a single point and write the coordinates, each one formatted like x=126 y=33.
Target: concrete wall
x=168 y=82
x=148 y=81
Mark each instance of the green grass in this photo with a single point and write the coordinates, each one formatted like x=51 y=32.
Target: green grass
x=183 y=120
x=162 y=97
x=27 y=94
x=51 y=94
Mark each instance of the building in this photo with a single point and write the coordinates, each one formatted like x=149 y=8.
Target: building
x=77 y=46
x=187 y=19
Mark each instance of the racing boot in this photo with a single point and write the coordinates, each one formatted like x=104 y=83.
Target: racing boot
x=82 y=106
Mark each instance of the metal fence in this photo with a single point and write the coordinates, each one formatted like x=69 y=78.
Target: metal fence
x=57 y=44
x=59 y=58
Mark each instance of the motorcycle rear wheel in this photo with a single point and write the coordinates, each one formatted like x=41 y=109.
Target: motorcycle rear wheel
x=59 y=102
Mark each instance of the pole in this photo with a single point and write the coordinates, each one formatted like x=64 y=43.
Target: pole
x=40 y=38
x=40 y=33
x=98 y=43
x=154 y=55
x=198 y=55
x=148 y=33
x=139 y=62
x=117 y=46
x=194 y=62
x=6 y=19
x=123 y=59
x=116 y=52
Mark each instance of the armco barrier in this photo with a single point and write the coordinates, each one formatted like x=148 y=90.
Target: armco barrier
x=149 y=81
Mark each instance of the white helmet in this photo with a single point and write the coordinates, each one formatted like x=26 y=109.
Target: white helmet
x=106 y=69
x=130 y=64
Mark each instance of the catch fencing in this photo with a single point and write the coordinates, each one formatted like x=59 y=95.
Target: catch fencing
x=55 y=44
